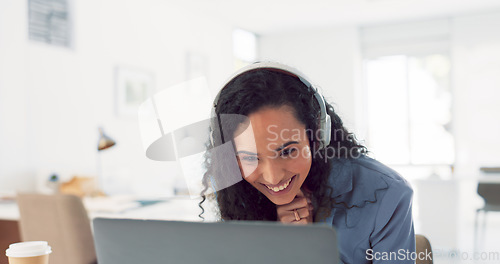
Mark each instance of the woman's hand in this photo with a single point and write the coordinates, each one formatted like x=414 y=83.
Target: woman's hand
x=304 y=207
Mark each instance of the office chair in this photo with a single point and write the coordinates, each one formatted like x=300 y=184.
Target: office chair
x=490 y=192
x=62 y=221
x=423 y=245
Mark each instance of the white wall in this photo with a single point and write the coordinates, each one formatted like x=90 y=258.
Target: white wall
x=476 y=82
x=53 y=99
x=15 y=164
x=476 y=87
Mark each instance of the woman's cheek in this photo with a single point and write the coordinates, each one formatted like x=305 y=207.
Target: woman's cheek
x=247 y=170
x=249 y=175
x=300 y=163
x=251 y=178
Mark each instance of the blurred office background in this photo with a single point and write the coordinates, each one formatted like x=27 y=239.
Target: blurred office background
x=418 y=81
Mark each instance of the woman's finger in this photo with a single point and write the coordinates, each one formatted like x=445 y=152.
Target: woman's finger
x=286 y=217
x=303 y=212
x=302 y=203
x=289 y=216
x=296 y=203
x=301 y=222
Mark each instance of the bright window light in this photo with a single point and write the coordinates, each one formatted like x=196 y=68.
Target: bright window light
x=409 y=109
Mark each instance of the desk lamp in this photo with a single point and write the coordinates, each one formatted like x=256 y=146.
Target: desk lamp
x=104 y=142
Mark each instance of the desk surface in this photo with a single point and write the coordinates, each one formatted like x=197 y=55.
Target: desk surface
x=9 y=211
x=176 y=208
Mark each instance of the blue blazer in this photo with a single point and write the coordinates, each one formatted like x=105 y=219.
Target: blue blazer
x=372 y=212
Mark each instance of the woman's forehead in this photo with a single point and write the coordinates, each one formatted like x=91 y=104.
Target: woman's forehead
x=270 y=126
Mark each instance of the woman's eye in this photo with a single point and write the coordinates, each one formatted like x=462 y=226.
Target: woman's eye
x=287 y=152
x=249 y=158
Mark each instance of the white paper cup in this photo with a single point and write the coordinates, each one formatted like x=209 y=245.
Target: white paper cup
x=32 y=252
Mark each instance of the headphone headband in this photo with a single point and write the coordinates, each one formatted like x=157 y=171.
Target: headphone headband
x=271 y=66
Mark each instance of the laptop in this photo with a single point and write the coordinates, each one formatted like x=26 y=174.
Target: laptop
x=129 y=241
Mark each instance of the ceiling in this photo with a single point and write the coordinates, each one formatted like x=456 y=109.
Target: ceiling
x=270 y=16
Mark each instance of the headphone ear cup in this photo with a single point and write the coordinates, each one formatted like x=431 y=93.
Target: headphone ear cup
x=324 y=132
x=327 y=131
x=212 y=142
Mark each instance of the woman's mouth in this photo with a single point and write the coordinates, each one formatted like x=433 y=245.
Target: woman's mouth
x=280 y=189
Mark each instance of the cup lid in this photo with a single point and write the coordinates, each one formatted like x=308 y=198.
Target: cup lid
x=28 y=249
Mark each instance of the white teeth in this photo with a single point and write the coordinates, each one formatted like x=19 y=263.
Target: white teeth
x=280 y=188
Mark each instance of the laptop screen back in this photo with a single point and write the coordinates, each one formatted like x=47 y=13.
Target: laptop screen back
x=127 y=241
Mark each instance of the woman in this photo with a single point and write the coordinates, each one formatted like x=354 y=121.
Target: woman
x=296 y=169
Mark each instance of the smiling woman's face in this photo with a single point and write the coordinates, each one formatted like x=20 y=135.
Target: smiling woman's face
x=273 y=153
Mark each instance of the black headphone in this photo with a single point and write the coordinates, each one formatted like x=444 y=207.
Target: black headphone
x=324 y=127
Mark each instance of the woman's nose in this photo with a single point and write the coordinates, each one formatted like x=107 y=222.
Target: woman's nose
x=272 y=171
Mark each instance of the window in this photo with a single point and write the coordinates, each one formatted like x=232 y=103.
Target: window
x=409 y=109
x=408 y=97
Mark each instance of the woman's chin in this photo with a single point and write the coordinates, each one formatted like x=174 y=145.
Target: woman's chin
x=281 y=200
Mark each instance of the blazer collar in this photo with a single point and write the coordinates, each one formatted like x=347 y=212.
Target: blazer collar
x=340 y=176
x=353 y=188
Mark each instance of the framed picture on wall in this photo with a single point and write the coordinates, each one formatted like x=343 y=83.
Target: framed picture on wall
x=133 y=87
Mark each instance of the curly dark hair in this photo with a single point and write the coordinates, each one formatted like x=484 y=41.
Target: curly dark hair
x=250 y=92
